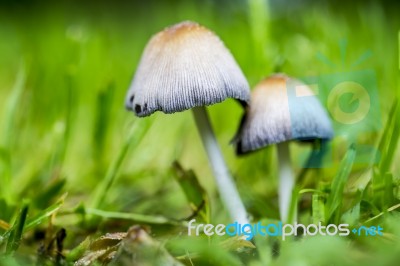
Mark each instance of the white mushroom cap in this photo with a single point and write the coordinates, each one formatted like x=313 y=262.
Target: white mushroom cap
x=277 y=114
x=184 y=66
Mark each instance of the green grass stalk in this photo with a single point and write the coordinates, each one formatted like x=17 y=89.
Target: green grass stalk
x=9 y=131
x=135 y=135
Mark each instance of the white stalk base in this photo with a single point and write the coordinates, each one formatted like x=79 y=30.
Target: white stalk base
x=286 y=181
x=227 y=189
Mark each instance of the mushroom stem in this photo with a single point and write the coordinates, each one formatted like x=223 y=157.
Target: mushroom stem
x=286 y=180
x=227 y=189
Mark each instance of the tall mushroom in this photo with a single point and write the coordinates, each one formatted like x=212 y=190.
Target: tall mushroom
x=186 y=66
x=282 y=109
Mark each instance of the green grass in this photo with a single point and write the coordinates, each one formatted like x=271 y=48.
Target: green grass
x=72 y=157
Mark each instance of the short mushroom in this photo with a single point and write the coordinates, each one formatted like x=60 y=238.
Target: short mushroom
x=186 y=66
x=282 y=109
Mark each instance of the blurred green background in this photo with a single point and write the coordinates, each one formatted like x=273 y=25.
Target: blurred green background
x=65 y=67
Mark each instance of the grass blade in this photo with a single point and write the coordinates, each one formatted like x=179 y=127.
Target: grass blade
x=8 y=131
x=393 y=137
x=141 y=218
x=335 y=197
x=102 y=122
x=135 y=136
x=389 y=195
x=293 y=209
x=69 y=109
x=194 y=192
x=12 y=107
x=383 y=143
x=259 y=25
x=49 y=194
x=397 y=206
x=38 y=218
x=318 y=211
x=387 y=148
x=15 y=236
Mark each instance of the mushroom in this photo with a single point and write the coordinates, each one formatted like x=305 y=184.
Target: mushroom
x=282 y=109
x=186 y=66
